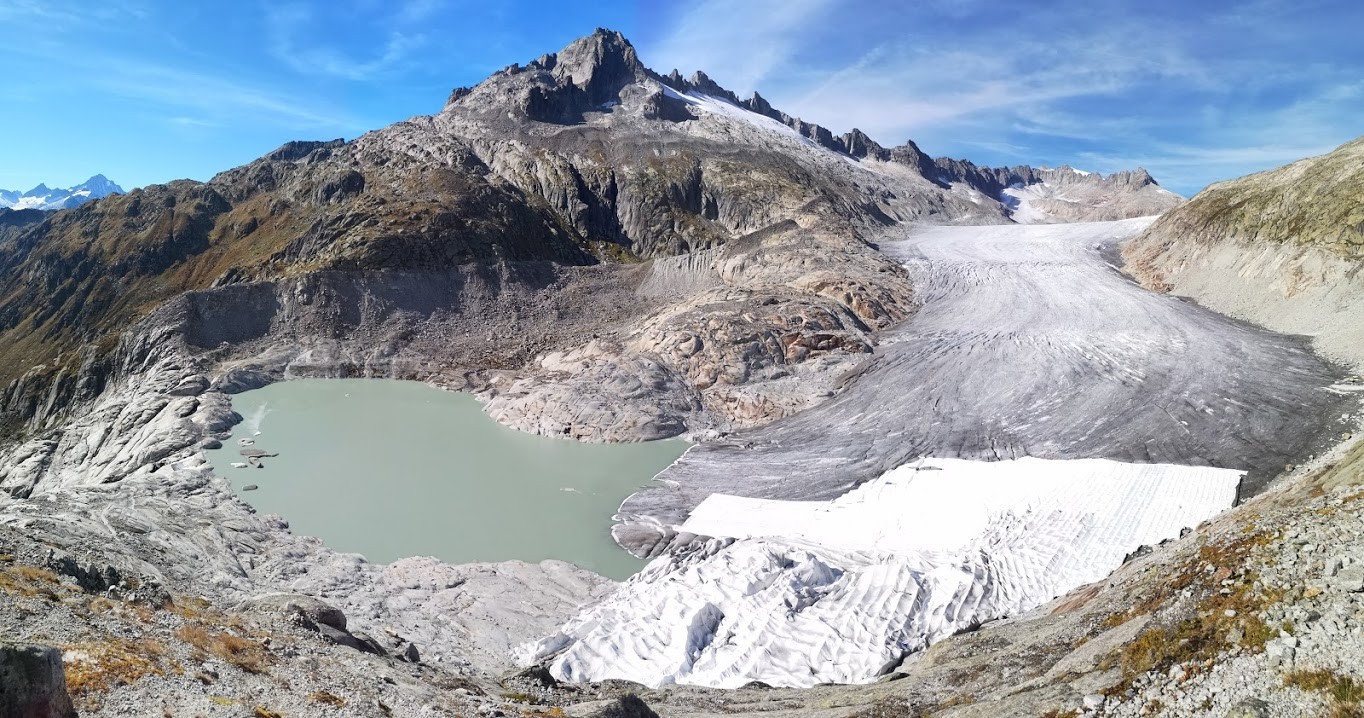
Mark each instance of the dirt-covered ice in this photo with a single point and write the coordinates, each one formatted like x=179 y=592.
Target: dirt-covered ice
x=1028 y=343
x=824 y=547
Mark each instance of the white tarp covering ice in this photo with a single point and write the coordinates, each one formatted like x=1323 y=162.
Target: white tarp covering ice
x=838 y=591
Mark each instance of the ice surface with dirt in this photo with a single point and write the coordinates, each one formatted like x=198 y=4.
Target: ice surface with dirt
x=1019 y=201
x=1029 y=342
x=839 y=591
x=1072 y=416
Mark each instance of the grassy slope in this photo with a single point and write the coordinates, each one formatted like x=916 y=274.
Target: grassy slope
x=1318 y=201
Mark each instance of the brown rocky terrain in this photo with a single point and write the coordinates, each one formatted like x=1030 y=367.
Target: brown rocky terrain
x=14 y=221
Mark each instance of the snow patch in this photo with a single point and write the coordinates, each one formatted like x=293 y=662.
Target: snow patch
x=1018 y=199
x=45 y=198
x=725 y=108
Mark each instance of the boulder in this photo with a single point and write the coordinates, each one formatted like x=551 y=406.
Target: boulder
x=359 y=641
x=316 y=615
x=192 y=385
x=1350 y=579
x=33 y=683
x=627 y=706
x=314 y=611
x=1249 y=708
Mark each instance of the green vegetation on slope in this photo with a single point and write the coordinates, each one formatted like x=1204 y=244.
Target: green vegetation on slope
x=1318 y=201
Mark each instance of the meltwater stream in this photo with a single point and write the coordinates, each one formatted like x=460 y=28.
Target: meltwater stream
x=390 y=469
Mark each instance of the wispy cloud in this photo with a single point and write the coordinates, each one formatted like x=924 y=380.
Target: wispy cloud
x=65 y=14
x=213 y=99
x=11 y=10
x=414 y=11
x=179 y=94
x=908 y=86
x=1193 y=93
x=290 y=26
x=739 y=43
x=1220 y=145
x=191 y=122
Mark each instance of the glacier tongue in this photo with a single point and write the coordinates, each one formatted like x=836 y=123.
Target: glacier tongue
x=795 y=593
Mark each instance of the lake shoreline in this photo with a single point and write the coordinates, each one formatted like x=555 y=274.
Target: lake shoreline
x=392 y=469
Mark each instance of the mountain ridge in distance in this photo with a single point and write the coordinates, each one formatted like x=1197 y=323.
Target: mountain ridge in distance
x=572 y=85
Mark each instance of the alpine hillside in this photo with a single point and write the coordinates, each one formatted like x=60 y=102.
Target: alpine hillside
x=1282 y=248
x=579 y=158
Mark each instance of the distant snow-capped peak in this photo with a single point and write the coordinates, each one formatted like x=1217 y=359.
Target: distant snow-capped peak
x=46 y=198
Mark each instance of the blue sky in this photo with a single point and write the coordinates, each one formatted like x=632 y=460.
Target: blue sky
x=148 y=90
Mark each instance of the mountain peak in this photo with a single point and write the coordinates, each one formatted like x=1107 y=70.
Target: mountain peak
x=1135 y=179
x=586 y=75
x=598 y=63
x=43 y=197
x=98 y=186
x=701 y=81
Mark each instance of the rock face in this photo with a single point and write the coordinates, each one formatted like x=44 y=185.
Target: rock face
x=758 y=329
x=32 y=683
x=1281 y=248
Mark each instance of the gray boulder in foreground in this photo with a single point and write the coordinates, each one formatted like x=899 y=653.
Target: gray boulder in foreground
x=33 y=683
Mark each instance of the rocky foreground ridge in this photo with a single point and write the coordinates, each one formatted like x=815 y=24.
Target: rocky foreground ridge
x=13 y=222
x=533 y=243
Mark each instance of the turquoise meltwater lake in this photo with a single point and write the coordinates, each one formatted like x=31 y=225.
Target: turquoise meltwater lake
x=390 y=469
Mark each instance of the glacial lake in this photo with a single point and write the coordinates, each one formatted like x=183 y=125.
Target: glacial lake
x=391 y=469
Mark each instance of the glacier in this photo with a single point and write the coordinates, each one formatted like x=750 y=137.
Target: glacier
x=798 y=593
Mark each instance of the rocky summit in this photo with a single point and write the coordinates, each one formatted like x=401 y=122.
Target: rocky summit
x=604 y=253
